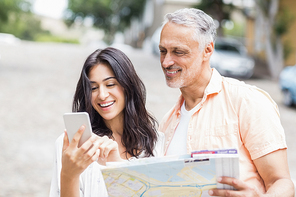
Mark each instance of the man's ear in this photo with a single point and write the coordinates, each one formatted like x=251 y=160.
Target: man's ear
x=208 y=51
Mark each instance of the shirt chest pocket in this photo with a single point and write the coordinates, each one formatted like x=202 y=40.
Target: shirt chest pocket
x=224 y=136
x=223 y=130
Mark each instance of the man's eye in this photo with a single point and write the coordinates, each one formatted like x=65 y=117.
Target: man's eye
x=162 y=51
x=179 y=52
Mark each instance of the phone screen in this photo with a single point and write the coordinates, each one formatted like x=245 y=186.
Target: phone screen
x=73 y=121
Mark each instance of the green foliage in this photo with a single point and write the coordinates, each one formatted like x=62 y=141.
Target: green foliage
x=218 y=10
x=288 y=49
x=283 y=21
x=281 y=24
x=238 y=30
x=10 y=8
x=109 y=15
x=16 y=19
x=7 y=7
x=24 y=26
x=50 y=38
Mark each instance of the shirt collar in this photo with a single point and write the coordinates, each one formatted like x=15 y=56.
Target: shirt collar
x=215 y=84
x=179 y=104
x=213 y=87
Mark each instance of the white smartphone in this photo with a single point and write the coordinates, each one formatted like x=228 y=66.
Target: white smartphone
x=73 y=121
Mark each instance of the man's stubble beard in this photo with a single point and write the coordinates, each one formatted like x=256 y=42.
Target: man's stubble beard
x=175 y=84
x=179 y=82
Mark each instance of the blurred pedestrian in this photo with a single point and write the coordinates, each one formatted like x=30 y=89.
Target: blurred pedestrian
x=218 y=112
x=114 y=96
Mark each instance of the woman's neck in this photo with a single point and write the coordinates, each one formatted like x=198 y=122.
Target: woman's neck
x=116 y=126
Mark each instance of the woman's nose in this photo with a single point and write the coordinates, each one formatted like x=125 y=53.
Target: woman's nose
x=103 y=94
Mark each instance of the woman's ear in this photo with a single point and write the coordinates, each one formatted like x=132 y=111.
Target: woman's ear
x=208 y=51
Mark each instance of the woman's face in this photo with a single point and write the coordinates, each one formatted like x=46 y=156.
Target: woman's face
x=107 y=94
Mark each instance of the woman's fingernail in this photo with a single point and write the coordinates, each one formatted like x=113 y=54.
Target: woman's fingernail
x=211 y=192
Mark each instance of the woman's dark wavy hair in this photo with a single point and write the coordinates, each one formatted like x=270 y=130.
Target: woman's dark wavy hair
x=139 y=130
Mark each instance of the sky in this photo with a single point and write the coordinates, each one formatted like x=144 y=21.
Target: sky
x=50 y=8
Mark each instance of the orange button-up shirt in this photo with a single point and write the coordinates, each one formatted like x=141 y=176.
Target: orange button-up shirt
x=231 y=114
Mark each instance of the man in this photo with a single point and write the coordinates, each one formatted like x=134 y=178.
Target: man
x=218 y=112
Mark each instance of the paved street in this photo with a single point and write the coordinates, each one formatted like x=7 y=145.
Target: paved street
x=37 y=83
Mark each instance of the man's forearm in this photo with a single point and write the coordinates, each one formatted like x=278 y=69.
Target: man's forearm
x=282 y=187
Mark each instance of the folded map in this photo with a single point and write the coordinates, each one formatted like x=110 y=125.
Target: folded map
x=185 y=175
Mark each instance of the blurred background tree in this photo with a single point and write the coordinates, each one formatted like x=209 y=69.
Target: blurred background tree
x=219 y=10
x=16 y=18
x=108 y=15
x=277 y=21
x=7 y=7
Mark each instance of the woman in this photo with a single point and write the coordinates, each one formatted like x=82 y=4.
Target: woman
x=114 y=96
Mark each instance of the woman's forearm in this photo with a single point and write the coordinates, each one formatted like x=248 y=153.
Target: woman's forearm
x=69 y=186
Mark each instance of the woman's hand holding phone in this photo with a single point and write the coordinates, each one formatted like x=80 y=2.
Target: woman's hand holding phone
x=76 y=159
x=79 y=154
x=93 y=145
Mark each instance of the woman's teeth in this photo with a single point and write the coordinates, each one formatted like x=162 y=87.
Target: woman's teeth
x=106 y=104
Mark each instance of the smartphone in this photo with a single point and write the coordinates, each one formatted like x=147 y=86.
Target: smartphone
x=73 y=121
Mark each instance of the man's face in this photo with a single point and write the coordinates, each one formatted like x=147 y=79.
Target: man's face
x=180 y=57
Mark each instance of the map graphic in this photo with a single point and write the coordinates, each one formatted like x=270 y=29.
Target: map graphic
x=184 y=178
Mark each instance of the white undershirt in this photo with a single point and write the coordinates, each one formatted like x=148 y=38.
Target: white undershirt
x=178 y=145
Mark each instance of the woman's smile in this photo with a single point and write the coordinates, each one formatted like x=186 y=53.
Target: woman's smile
x=107 y=94
x=106 y=106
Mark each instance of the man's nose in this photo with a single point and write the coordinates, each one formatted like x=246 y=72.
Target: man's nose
x=167 y=61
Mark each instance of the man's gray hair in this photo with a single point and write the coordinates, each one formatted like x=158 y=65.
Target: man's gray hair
x=203 y=25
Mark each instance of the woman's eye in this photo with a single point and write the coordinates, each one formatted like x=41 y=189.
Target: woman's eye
x=93 y=88
x=110 y=85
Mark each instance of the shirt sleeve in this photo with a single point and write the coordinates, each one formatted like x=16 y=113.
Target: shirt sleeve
x=93 y=181
x=159 y=146
x=260 y=127
x=55 y=181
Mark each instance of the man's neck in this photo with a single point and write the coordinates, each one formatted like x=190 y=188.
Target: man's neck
x=194 y=93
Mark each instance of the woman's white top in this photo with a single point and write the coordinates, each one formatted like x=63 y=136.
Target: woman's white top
x=91 y=181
